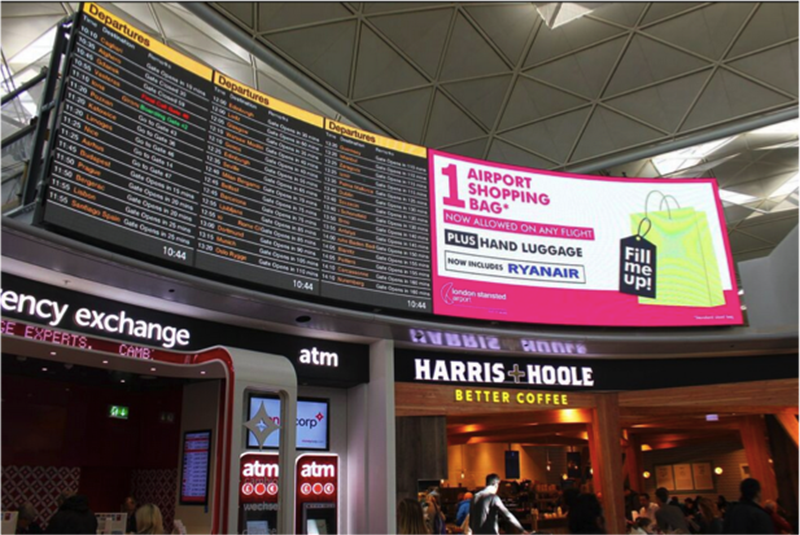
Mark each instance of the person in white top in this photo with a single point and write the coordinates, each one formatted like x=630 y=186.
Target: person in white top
x=648 y=508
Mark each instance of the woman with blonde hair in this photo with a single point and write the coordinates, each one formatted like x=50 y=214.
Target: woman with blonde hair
x=149 y=520
x=410 y=520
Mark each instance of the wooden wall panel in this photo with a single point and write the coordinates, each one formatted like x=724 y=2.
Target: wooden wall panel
x=756 y=447
x=605 y=440
x=785 y=463
x=421 y=452
x=756 y=397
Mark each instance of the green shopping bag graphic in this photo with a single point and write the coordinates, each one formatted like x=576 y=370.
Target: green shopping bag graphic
x=685 y=263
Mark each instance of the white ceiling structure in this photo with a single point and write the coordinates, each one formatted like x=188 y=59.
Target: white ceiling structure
x=493 y=81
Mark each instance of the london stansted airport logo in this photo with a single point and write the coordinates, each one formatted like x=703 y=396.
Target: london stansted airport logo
x=447 y=293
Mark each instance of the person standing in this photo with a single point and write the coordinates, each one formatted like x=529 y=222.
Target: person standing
x=670 y=518
x=486 y=507
x=410 y=520
x=129 y=507
x=647 y=508
x=74 y=516
x=463 y=508
x=747 y=516
x=149 y=520
x=781 y=524
x=586 y=516
x=708 y=518
x=26 y=520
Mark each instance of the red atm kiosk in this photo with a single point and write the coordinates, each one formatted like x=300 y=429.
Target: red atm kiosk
x=258 y=493
x=317 y=494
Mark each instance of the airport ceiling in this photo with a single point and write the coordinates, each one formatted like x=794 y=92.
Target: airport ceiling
x=494 y=81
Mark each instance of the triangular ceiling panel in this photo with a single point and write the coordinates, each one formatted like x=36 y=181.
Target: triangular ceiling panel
x=382 y=7
x=741 y=242
x=505 y=153
x=19 y=32
x=470 y=149
x=324 y=50
x=608 y=131
x=706 y=31
x=483 y=97
x=662 y=10
x=552 y=138
x=274 y=88
x=278 y=15
x=772 y=23
x=241 y=11
x=141 y=13
x=469 y=55
x=507 y=25
x=31 y=9
x=420 y=34
x=179 y=30
x=236 y=69
x=449 y=125
x=626 y=13
x=665 y=104
x=550 y=43
x=771 y=228
x=646 y=61
x=380 y=69
x=729 y=96
x=403 y=113
x=584 y=72
x=531 y=100
x=776 y=66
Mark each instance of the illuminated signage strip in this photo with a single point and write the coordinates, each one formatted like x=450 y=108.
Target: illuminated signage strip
x=52 y=314
x=472 y=371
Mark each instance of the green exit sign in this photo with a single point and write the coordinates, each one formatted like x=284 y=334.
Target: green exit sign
x=118 y=411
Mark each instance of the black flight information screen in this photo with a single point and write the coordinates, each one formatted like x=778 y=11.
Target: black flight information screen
x=158 y=154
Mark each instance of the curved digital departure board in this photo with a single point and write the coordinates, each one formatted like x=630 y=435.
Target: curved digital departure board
x=160 y=155
x=164 y=157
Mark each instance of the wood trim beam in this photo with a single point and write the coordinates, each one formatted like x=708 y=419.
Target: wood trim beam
x=788 y=421
x=756 y=447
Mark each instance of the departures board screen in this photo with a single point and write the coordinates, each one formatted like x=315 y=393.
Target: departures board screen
x=160 y=155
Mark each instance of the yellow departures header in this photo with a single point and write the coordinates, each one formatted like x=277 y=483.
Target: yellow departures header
x=146 y=41
x=375 y=139
x=245 y=91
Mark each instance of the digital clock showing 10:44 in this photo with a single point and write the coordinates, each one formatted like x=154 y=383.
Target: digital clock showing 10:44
x=172 y=252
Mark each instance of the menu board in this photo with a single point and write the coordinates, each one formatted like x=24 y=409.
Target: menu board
x=194 y=471
x=376 y=223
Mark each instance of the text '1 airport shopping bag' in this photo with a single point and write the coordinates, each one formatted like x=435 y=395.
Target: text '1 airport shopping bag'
x=684 y=270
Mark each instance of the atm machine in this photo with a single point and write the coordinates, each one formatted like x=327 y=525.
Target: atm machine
x=317 y=494
x=258 y=493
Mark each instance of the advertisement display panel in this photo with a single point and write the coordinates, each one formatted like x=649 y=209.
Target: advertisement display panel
x=312 y=422
x=515 y=244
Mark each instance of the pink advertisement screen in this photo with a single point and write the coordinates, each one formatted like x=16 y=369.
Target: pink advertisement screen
x=521 y=245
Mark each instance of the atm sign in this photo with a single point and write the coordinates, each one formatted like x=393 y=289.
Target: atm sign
x=258 y=477
x=317 y=477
